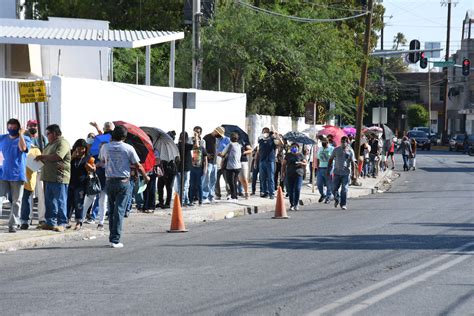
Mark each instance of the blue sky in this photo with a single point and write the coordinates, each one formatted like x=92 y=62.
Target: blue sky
x=424 y=20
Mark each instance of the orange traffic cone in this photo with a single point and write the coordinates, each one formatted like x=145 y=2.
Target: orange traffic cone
x=177 y=223
x=280 y=208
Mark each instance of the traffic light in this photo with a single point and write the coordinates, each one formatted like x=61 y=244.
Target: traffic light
x=466 y=67
x=414 y=57
x=423 y=60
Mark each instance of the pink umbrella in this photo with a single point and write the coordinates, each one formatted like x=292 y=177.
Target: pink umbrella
x=335 y=131
x=349 y=130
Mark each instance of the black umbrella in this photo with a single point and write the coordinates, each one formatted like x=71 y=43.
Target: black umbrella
x=300 y=138
x=387 y=132
x=243 y=136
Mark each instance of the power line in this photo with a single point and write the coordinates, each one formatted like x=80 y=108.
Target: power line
x=296 y=18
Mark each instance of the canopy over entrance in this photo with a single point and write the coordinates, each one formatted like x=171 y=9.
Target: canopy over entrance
x=22 y=32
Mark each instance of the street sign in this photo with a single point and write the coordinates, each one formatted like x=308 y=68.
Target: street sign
x=318 y=108
x=32 y=91
x=432 y=45
x=377 y=116
x=178 y=100
x=448 y=63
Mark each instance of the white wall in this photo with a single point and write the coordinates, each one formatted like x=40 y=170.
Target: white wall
x=76 y=102
x=78 y=62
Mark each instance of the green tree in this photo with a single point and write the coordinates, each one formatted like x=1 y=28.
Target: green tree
x=398 y=40
x=417 y=115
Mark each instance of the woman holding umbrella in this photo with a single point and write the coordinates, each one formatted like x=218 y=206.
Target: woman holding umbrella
x=293 y=168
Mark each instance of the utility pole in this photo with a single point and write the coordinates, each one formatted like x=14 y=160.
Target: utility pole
x=445 y=71
x=363 y=78
x=197 y=59
x=382 y=77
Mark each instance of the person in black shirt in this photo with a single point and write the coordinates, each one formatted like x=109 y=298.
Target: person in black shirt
x=293 y=168
x=187 y=162
x=81 y=165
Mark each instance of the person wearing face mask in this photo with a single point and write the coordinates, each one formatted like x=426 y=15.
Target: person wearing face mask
x=32 y=133
x=14 y=147
x=323 y=177
x=267 y=144
x=213 y=145
x=344 y=161
x=293 y=167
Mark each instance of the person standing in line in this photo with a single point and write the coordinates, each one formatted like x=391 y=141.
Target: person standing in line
x=117 y=156
x=405 y=149
x=244 y=171
x=391 y=153
x=267 y=145
x=344 y=161
x=412 y=161
x=170 y=170
x=186 y=162
x=198 y=169
x=81 y=165
x=293 y=167
x=209 y=180
x=55 y=174
x=255 y=169
x=232 y=164
x=324 y=179
x=29 y=189
x=32 y=133
x=374 y=156
x=221 y=172
x=14 y=147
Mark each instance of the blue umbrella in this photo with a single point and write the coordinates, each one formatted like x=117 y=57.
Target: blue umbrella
x=243 y=136
x=300 y=138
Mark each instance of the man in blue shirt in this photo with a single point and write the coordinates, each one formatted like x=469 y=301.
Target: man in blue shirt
x=14 y=147
x=267 y=144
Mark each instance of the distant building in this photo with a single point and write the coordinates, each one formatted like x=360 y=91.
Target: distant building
x=461 y=88
x=414 y=89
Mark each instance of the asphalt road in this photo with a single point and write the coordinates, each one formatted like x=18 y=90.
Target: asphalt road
x=408 y=251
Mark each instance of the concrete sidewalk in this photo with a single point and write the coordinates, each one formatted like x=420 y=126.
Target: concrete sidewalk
x=161 y=218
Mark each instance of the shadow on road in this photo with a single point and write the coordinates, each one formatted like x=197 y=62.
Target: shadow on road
x=349 y=242
x=452 y=226
x=447 y=170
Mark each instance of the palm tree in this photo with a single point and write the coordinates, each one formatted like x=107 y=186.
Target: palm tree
x=399 y=39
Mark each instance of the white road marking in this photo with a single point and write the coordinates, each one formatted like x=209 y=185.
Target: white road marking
x=423 y=277
x=349 y=298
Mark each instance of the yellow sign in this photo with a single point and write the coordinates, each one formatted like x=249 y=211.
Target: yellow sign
x=33 y=91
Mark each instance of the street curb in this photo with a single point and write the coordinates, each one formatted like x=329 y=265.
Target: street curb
x=229 y=210
x=226 y=211
x=49 y=238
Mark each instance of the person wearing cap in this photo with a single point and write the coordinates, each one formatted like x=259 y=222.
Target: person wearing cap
x=32 y=133
x=14 y=147
x=213 y=141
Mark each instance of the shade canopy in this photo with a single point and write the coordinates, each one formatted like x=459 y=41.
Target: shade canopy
x=85 y=37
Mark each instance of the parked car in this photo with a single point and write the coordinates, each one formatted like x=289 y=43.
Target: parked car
x=422 y=140
x=430 y=133
x=456 y=143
